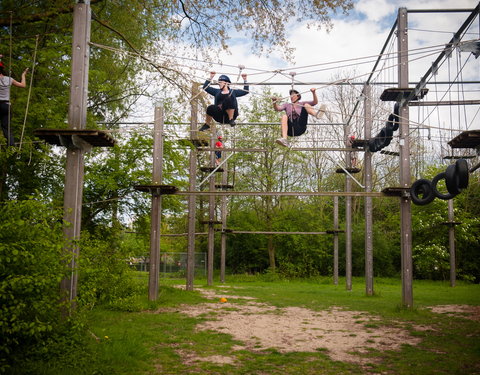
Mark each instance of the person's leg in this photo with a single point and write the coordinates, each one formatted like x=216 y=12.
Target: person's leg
x=284 y=124
x=208 y=118
x=230 y=113
x=5 y=116
x=310 y=110
x=299 y=125
x=318 y=113
x=229 y=108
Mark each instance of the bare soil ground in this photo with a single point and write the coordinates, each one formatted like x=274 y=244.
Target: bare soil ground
x=340 y=334
x=336 y=332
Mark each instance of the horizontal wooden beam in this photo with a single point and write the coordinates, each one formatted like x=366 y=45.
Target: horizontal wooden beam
x=260 y=232
x=290 y=149
x=282 y=193
x=443 y=102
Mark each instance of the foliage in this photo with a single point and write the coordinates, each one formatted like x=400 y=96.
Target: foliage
x=104 y=273
x=30 y=272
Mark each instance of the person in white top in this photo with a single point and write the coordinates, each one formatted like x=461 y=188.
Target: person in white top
x=5 y=105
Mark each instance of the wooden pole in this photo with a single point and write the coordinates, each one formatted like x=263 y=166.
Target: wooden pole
x=223 y=245
x=335 y=240
x=156 y=207
x=77 y=118
x=405 y=178
x=211 y=216
x=348 y=219
x=191 y=198
x=367 y=168
x=451 y=242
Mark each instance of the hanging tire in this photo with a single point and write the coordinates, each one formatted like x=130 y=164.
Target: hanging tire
x=380 y=139
x=396 y=118
x=372 y=145
x=435 y=180
x=421 y=192
x=451 y=180
x=391 y=122
x=389 y=135
x=461 y=167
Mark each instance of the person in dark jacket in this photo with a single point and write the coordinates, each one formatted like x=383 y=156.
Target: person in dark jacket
x=224 y=110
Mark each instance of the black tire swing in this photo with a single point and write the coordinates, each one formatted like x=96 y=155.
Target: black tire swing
x=421 y=192
x=385 y=136
x=456 y=179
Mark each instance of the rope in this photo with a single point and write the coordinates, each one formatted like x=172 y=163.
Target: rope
x=29 y=92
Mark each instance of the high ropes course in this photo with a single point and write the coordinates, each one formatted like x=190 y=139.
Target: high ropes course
x=381 y=125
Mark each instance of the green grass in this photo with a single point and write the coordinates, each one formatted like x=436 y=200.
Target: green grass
x=152 y=342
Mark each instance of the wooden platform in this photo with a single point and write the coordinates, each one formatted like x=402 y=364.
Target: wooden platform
x=210 y=222
x=455 y=157
x=66 y=137
x=397 y=94
x=451 y=223
x=360 y=143
x=391 y=153
x=466 y=139
x=395 y=191
x=349 y=170
x=224 y=187
x=200 y=142
x=335 y=231
x=211 y=169
x=157 y=189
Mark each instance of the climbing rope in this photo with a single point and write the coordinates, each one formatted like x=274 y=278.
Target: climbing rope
x=29 y=91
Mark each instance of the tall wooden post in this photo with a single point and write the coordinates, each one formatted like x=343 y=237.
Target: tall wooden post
x=335 y=240
x=192 y=183
x=211 y=216
x=223 y=242
x=348 y=219
x=451 y=242
x=156 y=209
x=77 y=118
x=367 y=168
x=405 y=177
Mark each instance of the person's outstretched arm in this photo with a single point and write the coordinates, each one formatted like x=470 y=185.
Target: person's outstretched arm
x=207 y=85
x=23 y=82
x=314 y=94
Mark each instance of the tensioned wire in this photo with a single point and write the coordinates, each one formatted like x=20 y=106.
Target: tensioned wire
x=275 y=72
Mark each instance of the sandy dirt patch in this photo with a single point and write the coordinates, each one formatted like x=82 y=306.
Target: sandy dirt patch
x=459 y=311
x=340 y=334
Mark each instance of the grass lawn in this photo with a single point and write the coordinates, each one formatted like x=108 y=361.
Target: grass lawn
x=163 y=339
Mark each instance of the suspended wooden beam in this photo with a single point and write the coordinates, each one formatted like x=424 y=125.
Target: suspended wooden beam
x=443 y=102
x=274 y=233
x=282 y=193
x=290 y=149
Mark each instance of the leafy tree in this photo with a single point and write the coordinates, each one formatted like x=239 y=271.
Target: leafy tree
x=30 y=273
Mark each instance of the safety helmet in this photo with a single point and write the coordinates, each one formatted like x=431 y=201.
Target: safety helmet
x=224 y=78
x=219 y=137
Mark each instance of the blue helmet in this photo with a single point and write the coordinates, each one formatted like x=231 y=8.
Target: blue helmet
x=224 y=78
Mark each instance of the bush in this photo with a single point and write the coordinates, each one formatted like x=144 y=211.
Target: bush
x=105 y=276
x=30 y=274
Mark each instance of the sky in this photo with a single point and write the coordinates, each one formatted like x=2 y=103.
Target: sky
x=352 y=46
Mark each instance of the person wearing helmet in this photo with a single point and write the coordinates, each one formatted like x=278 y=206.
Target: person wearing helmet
x=224 y=110
x=5 y=106
x=294 y=121
x=218 y=154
